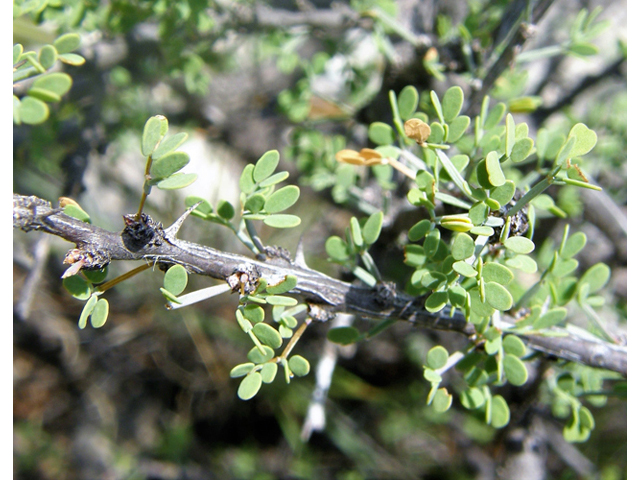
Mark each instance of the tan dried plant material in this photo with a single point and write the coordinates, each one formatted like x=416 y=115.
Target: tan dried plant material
x=64 y=201
x=417 y=130
x=366 y=157
x=369 y=157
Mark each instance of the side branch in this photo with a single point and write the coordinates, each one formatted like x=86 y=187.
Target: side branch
x=148 y=241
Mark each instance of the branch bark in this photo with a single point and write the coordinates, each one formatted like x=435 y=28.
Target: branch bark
x=149 y=241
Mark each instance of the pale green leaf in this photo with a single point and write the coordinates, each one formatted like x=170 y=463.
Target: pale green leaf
x=381 y=133
x=169 y=144
x=250 y=386
x=267 y=335
x=241 y=370
x=175 y=279
x=177 y=180
x=152 y=134
x=452 y=103
x=519 y=245
x=266 y=165
x=282 y=199
x=299 y=366
x=67 y=43
x=437 y=357
x=168 y=164
x=99 y=313
x=282 y=221
x=33 y=111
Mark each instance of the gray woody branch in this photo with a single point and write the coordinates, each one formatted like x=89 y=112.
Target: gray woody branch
x=143 y=239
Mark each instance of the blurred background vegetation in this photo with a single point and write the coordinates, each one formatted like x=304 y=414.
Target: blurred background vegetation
x=149 y=396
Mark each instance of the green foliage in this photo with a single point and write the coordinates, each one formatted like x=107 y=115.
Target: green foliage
x=163 y=162
x=466 y=180
x=263 y=362
x=359 y=236
x=343 y=335
x=261 y=199
x=175 y=281
x=31 y=107
x=85 y=286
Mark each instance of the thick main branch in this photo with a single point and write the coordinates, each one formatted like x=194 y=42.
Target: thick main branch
x=325 y=295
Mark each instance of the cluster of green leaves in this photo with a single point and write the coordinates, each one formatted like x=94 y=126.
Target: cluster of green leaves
x=360 y=235
x=574 y=386
x=498 y=363
x=85 y=287
x=48 y=86
x=262 y=366
x=163 y=161
x=260 y=199
x=163 y=164
x=185 y=30
x=314 y=154
x=557 y=287
x=468 y=260
x=582 y=32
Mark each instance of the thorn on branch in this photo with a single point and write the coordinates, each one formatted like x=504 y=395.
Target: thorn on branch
x=172 y=231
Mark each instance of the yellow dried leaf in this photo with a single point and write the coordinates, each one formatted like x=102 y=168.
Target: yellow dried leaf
x=350 y=156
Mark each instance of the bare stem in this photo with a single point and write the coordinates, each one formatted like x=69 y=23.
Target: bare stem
x=147 y=171
x=294 y=339
x=401 y=168
x=112 y=283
